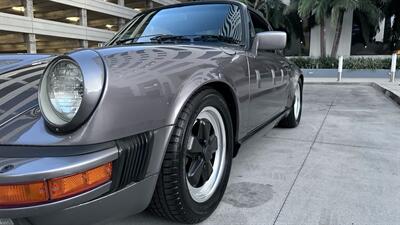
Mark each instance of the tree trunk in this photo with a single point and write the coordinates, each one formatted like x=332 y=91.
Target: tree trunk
x=322 y=38
x=338 y=34
x=396 y=33
x=387 y=35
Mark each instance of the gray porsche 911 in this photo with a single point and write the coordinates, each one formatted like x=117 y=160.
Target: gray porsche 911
x=150 y=120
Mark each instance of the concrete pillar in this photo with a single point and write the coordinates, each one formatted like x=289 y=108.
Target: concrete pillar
x=121 y=21
x=83 y=21
x=30 y=39
x=149 y=4
x=28 y=4
x=84 y=43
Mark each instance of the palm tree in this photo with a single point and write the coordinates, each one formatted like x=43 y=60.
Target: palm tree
x=319 y=9
x=274 y=11
x=281 y=16
x=334 y=10
x=369 y=8
x=391 y=9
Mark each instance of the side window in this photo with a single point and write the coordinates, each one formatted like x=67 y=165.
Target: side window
x=232 y=26
x=251 y=26
x=258 y=23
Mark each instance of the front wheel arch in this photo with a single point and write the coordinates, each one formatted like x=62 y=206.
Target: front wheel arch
x=171 y=200
x=229 y=96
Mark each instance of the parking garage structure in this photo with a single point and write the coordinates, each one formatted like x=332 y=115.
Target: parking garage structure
x=57 y=26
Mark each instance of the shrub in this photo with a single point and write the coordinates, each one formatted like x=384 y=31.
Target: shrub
x=349 y=63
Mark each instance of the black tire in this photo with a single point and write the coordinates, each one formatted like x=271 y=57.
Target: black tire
x=290 y=121
x=171 y=198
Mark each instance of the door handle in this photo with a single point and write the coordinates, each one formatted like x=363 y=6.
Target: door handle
x=258 y=79
x=273 y=76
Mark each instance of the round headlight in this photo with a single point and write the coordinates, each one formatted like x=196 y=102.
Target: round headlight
x=70 y=89
x=65 y=88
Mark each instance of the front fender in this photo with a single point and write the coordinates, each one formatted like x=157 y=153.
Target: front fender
x=192 y=86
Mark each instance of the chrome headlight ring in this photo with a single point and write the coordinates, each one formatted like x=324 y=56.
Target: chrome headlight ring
x=70 y=90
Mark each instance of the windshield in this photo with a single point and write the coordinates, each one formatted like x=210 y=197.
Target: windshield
x=211 y=20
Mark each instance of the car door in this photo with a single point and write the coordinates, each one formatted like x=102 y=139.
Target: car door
x=281 y=82
x=268 y=79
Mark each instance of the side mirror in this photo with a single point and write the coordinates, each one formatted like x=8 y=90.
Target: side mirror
x=271 y=40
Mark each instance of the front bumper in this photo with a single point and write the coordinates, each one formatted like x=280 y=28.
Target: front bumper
x=135 y=173
x=130 y=200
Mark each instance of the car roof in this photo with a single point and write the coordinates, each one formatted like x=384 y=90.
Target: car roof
x=200 y=2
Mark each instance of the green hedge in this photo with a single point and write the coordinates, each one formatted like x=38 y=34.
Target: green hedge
x=349 y=63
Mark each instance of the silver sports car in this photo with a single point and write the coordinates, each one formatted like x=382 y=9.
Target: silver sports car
x=150 y=120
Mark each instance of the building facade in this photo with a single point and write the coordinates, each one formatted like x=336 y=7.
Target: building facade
x=56 y=26
x=352 y=41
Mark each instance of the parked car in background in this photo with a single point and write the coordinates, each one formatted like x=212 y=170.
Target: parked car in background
x=151 y=120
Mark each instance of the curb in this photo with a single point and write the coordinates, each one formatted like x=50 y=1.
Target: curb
x=387 y=92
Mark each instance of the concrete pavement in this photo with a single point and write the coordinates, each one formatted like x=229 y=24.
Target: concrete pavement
x=340 y=166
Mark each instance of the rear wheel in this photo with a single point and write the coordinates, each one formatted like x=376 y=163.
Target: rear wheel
x=293 y=118
x=197 y=163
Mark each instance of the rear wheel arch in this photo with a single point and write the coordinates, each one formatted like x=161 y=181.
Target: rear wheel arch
x=301 y=77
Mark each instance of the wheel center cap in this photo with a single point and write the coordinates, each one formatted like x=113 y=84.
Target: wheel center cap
x=204 y=145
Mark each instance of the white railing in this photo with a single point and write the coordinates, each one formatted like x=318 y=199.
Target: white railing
x=166 y=2
x=101 y=6
x=24 y=24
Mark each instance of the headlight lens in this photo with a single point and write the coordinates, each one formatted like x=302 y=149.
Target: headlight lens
x=70 y=90
x=65 y=88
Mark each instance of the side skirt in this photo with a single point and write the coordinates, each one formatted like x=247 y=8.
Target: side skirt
x=268 y=124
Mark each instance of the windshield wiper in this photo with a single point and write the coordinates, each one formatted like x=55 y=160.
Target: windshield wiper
x=209 y=37
x=125 y=40
x=206 y=37
x=168 y=37
x=132 y=39
x=159 y=38
x=155 y=38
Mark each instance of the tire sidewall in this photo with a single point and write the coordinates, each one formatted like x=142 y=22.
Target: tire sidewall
x=200 y=101
x=301 y=103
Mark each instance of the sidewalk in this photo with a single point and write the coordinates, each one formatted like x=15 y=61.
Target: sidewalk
x=390 y=89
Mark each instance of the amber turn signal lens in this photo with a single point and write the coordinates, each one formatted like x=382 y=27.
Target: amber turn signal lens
x=22 y=194
x=78 y=183
x=14 y=195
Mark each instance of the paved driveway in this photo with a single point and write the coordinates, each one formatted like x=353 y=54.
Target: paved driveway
x=340 y=166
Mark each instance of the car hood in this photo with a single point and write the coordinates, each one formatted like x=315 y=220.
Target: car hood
x=19 y=79
x=10 y=62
